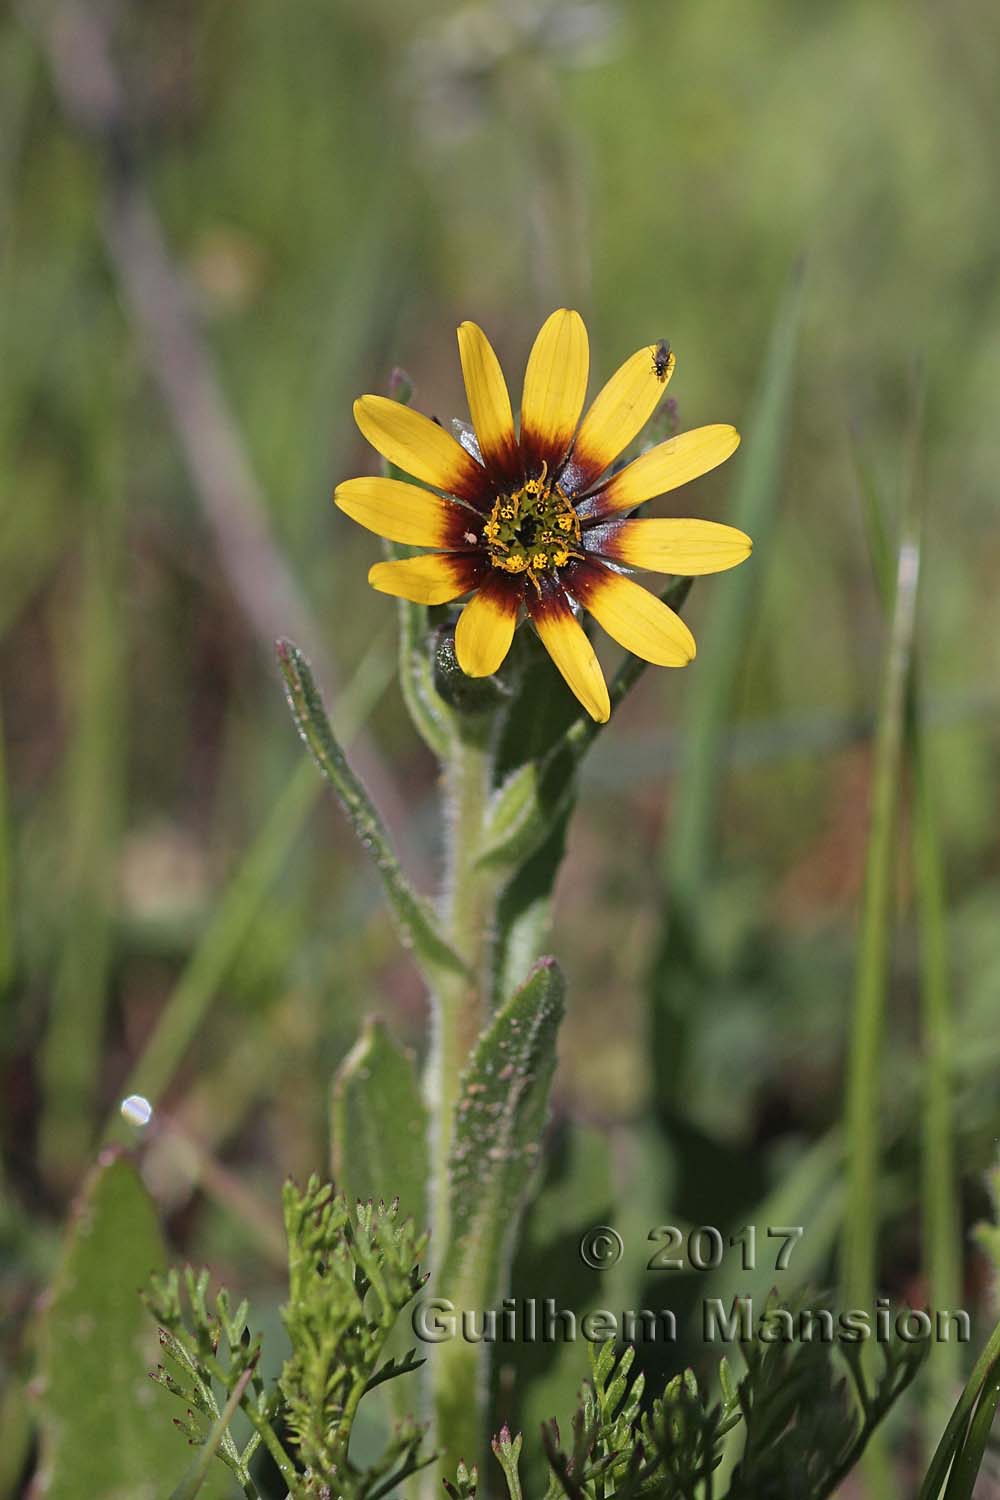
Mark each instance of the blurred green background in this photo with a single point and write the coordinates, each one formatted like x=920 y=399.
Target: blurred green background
x=336 y=187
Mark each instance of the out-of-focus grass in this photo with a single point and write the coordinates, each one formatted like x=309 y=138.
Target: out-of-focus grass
x=339 y=189
x=90 y=819
x=940 y=1209
x=868 y=1026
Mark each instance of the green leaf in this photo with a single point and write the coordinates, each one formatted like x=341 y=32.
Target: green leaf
x=524 y=913
x=104 y=1430
x=380 y=1125
x=499 y=1118
x=503 y=1101
x=414 y=920
x=510 y=814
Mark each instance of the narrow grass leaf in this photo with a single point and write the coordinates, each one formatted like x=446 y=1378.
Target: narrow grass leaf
x=969 y=1458
x=939 y=1199
x=953 y=1437
x=860 y=1234
x=873 y=960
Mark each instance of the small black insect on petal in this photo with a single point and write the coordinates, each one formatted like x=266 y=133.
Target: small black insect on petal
x=661 y=359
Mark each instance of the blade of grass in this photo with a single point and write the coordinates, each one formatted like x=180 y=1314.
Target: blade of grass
x=968 y=1460
x=859 y=1240
x=71 y=1057
x=692 y=835
x=939 y=1199
x=953 y=1435
x=199 y=984
x=942 y=1232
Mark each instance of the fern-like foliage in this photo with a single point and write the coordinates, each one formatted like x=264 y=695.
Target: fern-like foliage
x=802 y=1414
x=352 y=1269
x=208 y=1348
x=619 y=1449
x=809 y=1408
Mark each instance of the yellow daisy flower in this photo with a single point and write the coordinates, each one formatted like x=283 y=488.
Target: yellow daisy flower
x=534 y=520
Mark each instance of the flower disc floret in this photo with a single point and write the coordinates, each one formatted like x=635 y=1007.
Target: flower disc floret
x=533 y=530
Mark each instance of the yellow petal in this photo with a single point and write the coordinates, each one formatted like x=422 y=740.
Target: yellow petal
x=685 y=547
x=620 y=411
x=419 y=447
x=403 y=513
x=434 y=579
x=566 y=642
x=489 y=403
x=555 y=384
x=485 y=627
x=633 y=616
x=663 y=468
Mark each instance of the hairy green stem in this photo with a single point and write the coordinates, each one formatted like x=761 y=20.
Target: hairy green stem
x=457 y=1369
x=272 y=1443
x=457 y=999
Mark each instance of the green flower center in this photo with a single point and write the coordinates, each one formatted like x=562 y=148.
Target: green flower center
x=533 y=530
